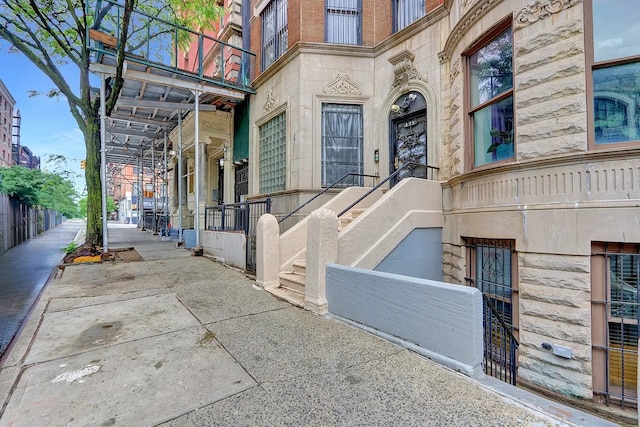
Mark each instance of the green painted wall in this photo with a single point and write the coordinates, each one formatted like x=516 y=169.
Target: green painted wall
x=241 y=131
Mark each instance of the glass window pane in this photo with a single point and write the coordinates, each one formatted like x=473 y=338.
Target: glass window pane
x=493 y=132
x=274 y=32
x=343 y=21
x=342 y=136
x=616 y=110
x=408 y=11
x=616 y=29
x=491 y=69
x=273 y=154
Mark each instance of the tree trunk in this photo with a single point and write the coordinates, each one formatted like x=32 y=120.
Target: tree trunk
x=92 y=176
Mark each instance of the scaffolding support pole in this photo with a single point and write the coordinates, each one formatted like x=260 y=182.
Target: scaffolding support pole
x=180 y=178
x=154 y=189
x=141 y=191
x=198 y=248
x=165 y=185
x=103 y=162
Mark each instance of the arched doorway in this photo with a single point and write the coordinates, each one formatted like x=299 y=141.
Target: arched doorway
x=408 y=136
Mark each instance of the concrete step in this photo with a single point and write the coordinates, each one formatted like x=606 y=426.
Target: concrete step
x=300 y=266
x=292 y=297
x=293 y=281
x=355 y=213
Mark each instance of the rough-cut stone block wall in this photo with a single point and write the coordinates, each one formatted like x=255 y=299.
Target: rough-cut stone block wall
x=453 y=263
x=550 y=99
x=555 y=308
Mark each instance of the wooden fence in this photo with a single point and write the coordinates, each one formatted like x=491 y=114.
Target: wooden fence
x=19 y=222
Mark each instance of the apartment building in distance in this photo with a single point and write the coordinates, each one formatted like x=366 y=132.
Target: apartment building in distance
x=7 y=104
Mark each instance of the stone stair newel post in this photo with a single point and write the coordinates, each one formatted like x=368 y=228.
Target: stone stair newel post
x=322 y=249
x=268 y=252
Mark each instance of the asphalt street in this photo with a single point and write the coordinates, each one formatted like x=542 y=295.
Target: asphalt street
x=24 y=270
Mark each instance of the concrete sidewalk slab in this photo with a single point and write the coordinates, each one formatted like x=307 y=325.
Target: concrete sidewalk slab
x=68 y=303
x=289 y=343
x=219 y=351
x=143 y=382
x=81 y=329
x=225 y=298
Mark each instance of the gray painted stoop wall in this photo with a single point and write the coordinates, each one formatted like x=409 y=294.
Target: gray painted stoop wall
x=367 y=234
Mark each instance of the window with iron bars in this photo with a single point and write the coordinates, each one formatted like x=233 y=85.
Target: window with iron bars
x=492 y=269
x=343 y=21
x=615 y=279
x=274 y=32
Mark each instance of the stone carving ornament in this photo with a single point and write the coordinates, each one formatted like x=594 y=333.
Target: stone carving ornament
x=272 y=101
x=404 y=69
x=541 y=9
x=343 y=85
x=465 y=5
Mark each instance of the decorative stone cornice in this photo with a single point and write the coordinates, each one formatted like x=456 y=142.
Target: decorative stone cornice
x=540 y=9
x=272 y=101
x=475 y=13
x=343 y=85
x=404 y=69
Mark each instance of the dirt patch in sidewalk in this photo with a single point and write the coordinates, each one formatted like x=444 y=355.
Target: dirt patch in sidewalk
x=92 y=253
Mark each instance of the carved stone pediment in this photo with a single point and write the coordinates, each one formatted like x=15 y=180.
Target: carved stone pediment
x=540 y=9
x=343 y=85
x=404 y=69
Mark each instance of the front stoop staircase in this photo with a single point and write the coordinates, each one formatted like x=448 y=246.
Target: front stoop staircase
x=292 y=282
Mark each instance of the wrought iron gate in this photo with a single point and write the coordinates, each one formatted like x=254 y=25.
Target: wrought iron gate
x=491 y=268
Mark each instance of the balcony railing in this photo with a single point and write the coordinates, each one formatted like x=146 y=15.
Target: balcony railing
x=157 y=42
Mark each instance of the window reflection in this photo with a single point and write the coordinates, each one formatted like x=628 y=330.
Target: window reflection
x=616 y=103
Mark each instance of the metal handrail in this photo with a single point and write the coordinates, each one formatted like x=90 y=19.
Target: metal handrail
x=393 y=175
x=497 y=364
x=497 y=314
x=324 y=191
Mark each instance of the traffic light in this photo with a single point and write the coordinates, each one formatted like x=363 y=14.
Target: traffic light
x=83 y=164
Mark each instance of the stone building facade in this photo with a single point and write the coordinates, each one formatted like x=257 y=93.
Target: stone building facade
x=7 y=104
x=529 y=111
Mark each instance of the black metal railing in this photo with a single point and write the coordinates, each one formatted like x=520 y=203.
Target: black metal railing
x=239 y=217
x=407 y=166
x=500 y=345
x=235 y=216
x=334 y=185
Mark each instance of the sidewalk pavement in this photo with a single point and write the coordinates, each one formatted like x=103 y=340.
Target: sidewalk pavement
x=177 y=340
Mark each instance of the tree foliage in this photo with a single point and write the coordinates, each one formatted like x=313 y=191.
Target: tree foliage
x=82 y=206
x=52 y=33
x=34 y=187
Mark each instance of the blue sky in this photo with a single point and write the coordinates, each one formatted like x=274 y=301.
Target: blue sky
x=47 y=125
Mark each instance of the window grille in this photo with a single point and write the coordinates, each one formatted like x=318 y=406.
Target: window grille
x=274 y=32
x=343 y=21
x=615 y=279
x=491 y=268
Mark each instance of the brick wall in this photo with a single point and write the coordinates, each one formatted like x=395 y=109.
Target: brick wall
x=382 y=18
